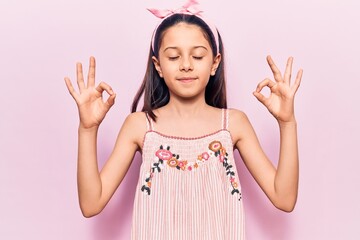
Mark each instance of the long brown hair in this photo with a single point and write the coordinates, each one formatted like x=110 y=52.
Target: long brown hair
x=156 y=93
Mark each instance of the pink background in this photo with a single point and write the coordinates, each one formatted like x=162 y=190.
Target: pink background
x=42 y=40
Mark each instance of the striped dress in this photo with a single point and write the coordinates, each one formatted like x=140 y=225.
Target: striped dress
x=188 y=188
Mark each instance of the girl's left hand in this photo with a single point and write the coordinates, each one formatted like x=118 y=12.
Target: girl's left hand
x=280 y=102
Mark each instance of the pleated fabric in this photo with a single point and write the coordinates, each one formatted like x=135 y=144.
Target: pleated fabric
x=188 y=188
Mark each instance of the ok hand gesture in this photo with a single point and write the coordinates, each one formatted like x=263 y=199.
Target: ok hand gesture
x=92 y=108
x=280 y=102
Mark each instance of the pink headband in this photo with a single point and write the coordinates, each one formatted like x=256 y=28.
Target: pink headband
x=190 y=9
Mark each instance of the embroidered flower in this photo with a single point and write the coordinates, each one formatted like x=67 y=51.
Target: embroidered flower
x=189 y=168
x=185 y=163
x=163 y=154
x=173 y=162
x=221 y=158
x=205 y=155
x=215 y=146
x=182 y=165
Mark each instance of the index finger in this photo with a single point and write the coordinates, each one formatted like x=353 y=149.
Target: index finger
x=91 y=74
x=274 y=69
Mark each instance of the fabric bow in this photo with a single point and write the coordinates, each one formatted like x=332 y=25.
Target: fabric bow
x=188 y=8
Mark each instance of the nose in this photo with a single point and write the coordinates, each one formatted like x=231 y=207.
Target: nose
x=186 y=64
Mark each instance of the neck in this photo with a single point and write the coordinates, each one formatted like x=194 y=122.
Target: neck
x=187 y=108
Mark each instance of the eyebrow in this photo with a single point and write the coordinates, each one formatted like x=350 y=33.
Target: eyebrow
x=176 y=48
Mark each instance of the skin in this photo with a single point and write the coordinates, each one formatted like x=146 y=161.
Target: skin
x=186 y=63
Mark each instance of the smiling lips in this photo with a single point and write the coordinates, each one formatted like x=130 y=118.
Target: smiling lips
x=186 y=79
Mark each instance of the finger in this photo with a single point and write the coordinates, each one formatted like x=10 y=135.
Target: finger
x=288 y=70
x=80 y=77
x=261 y=98
x=266 y=82
x=70 y=87
x=297 y=80
x=91 y=75
x=111 y=100
x=104 y=87
x=274 y=69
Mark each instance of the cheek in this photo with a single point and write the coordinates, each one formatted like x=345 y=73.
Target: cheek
x=204 y=66
x=168 y=69
x=167 y=65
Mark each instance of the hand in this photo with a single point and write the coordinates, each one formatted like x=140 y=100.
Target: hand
x=280 y=102
x=92 y=108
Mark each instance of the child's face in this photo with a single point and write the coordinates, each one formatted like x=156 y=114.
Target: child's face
x=186 y=60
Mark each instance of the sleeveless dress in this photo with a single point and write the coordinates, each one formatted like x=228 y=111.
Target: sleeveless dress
x=188 y=188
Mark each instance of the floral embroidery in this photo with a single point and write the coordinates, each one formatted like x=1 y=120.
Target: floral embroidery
x=216 y=150
x=163 y=154
x=173 y=162
x=223 y=158
x=215 y=146
x=205 y=156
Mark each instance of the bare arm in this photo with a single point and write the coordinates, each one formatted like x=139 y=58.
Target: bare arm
x=279 y=184
x=94 y=188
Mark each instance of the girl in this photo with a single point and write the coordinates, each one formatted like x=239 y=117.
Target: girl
x=188 y=185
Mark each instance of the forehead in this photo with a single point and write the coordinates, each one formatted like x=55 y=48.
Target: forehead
x=183 y=35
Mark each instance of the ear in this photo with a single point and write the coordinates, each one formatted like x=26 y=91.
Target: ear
x=216 y=63
x=157 y=65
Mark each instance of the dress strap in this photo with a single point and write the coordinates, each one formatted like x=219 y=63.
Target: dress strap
x=149 y=122
x=225 y=119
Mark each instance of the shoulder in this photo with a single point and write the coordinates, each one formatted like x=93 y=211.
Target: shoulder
x=135 y=127
x=136 y=118
x=237 y=116
x=239 y=124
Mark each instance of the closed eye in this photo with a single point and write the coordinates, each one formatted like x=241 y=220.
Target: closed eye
x=173 y=58
x=197 y=58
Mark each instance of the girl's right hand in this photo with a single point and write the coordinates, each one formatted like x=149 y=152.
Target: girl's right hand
x=92 y=108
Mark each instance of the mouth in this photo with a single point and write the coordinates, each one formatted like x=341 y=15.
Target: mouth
x=186 y=79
